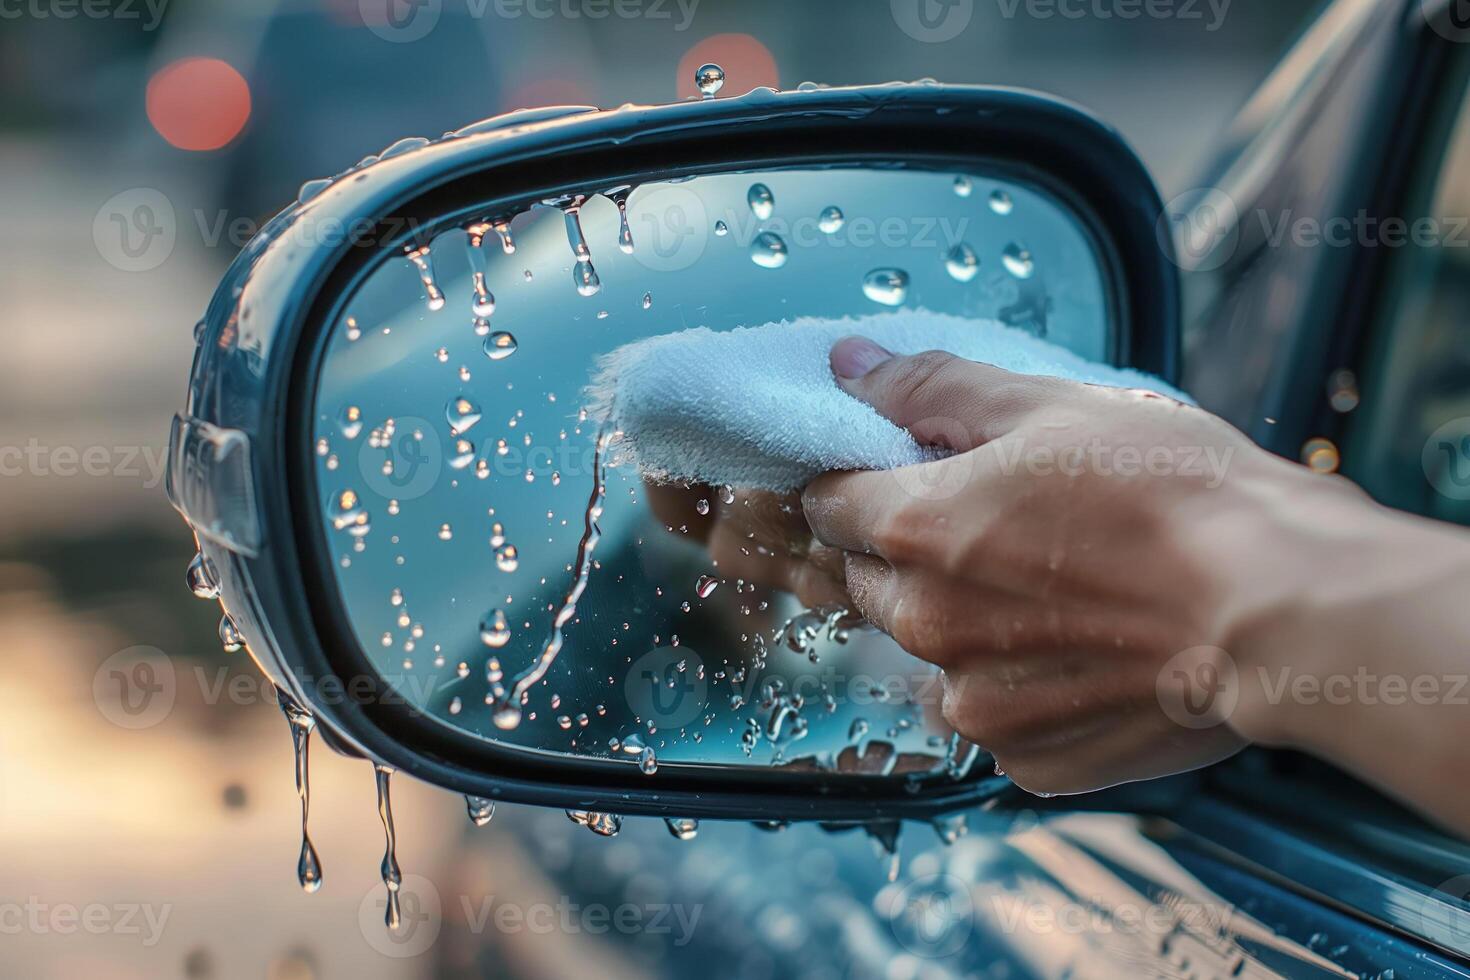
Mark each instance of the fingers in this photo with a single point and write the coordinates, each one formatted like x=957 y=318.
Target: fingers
x=942 y=399
x=898 y=514
x=873 y=585
x=844 y=509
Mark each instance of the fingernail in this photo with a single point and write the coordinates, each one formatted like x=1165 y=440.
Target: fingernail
x=853 y=357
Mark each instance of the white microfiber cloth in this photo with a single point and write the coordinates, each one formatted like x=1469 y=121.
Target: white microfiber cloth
x=758 y=408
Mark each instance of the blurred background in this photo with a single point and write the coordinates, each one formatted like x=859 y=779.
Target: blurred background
x=141 y=144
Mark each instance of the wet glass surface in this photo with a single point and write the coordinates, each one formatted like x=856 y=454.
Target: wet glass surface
x=456 y=467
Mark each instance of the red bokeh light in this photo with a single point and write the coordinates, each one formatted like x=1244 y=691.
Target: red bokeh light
x=748 y=64
x=198 y=103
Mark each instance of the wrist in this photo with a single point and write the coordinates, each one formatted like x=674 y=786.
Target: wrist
x=1294 y=546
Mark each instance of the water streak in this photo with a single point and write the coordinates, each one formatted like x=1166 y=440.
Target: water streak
x=421 y=261
x=507 y=709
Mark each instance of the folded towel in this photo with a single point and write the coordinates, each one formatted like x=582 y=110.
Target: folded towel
x=758 y=408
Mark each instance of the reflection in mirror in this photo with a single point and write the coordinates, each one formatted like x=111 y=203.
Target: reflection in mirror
x=511 y=589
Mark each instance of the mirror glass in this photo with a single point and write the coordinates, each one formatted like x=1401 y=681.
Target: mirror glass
x=455 y=468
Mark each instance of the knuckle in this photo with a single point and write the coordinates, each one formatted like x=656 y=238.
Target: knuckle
x=903 y=534
x=919 y=379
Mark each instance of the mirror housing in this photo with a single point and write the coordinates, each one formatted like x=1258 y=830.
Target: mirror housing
x=240 y=453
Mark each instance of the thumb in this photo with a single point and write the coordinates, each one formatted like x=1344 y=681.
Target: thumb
x=943 y=400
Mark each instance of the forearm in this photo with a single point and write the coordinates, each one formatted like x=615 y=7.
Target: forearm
x=1364 y=657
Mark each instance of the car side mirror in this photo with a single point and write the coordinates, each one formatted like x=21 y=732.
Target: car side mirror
x=393 y=491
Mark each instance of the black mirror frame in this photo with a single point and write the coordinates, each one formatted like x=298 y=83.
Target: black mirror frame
x=298 y=289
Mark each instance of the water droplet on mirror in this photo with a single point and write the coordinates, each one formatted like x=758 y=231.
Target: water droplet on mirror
x=830 y=221
x=762 y=202
x=706 y=586
x=709 y=79
x=1018 y=261
x=479 y=809
x=1001 y=203
x=500 y=345
x=507 y=242
x=494 y=630
x=497 y=534
x=702 y=507
x=462 y=454
x=349 y=423
x=202 y=578
x=392 y=877
x=721 y=229
x=727 y=494
x=462 y=414
x=421 y=262
x=446 y=532
x=484 y=301
x=962 y=263
x=962 y=186
x=768 y=250
x=887 y=286
x=648 y=762
x=507 y=559
x=584 y=277
x=347 y=514
x=1321 y=455
x=647 y=300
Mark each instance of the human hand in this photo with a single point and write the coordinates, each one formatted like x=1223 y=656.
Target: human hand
x=1079 y=539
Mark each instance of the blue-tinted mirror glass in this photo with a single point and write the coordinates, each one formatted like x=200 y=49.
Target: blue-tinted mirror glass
x=455 y=469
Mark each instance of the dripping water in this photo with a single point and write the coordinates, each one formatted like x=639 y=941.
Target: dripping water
x=392 y=876
x=507 y=242
x=483 y=303
x=584 y=275
x=308 y=865
x=421 y=261
x=683 y=828
x=480 y=809
x=625 y=233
